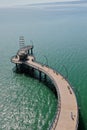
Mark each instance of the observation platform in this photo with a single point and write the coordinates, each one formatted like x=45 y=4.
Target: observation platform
x=67 y=110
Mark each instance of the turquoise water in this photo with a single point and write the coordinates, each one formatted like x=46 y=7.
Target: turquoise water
x=58 y=33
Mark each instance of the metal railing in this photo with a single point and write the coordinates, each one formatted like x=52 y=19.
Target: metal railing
x=57 y=114
x=56 y=117
x=75 y=99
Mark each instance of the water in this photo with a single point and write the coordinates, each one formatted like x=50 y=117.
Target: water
x=58 y=33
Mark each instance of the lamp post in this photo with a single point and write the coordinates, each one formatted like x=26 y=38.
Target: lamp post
x=66 y=72
x=45 y=76
x=32 y=47
x=46 y=60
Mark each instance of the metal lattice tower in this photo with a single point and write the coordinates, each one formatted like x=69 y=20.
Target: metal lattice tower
x=21 y=41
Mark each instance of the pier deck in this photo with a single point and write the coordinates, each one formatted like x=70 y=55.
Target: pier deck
x=67 y=113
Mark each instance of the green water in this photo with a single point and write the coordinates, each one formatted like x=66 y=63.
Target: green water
x=61 y=36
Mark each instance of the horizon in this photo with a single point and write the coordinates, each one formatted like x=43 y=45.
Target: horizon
x=29 y=2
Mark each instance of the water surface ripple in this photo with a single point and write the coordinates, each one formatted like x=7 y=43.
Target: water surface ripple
x=60 y=34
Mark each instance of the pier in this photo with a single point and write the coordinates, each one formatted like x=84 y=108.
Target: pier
x=67 y=109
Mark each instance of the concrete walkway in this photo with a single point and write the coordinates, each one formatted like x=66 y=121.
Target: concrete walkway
x=67 y=113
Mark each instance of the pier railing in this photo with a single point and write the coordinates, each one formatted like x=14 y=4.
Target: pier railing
x=56 y=117
x=48 y=71
x=75 y=98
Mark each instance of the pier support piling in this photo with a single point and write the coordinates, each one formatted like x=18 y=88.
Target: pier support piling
x=16 y=66
x=32 y=70
x=28 y=52
x=45 y=77
x=31 y=51
x=39 y=75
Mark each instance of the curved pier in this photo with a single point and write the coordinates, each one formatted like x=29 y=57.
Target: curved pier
x=67 y=111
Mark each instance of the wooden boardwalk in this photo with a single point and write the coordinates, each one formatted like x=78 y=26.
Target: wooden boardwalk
x=67 y=112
